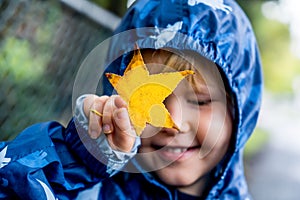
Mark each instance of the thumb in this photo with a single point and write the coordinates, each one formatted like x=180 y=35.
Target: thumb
x=121 y=120
x=124 y=136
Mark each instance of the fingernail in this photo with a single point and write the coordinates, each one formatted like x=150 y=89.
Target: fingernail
x=106 y=128
x=94 y=134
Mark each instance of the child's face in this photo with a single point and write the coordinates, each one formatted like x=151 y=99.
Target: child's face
x=205 y=124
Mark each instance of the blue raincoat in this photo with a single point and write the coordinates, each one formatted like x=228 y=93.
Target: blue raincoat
x=49 y=161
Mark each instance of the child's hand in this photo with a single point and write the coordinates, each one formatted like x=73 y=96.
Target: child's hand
x=115 y=122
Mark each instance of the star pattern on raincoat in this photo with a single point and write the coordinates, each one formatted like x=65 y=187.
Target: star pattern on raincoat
x=4 y=161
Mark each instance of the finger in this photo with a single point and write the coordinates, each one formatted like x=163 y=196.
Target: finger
x=122 y=121
x=119 y=102
x=95 y=121
x=90 y=100
x=121 y=116
x=108 y=110
x=123 y=137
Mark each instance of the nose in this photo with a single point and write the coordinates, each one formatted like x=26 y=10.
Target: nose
x=175 y=108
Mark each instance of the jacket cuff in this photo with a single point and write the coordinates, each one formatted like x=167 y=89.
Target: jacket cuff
x=100 y=148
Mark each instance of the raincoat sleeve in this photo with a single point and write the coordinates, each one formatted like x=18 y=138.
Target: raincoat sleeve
x=100 y=148
x=40 y=163
x=49 y=161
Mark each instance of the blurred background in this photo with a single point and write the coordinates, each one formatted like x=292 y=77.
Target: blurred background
x=43 y=43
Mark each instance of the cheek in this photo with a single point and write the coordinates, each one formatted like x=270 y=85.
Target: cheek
x=214 y=132
x=203 y=127
x=150 y=132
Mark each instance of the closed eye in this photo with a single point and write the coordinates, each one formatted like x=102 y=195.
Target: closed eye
x=200 y=102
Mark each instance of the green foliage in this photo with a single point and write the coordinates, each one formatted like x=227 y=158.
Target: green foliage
x=116 y=6
x=16 y=60
x=280 y=66
x=22 y=78
x=44 y=34
x=256 y=143
x=21 y=84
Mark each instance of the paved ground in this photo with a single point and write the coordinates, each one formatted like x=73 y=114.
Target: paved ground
x=275 y=172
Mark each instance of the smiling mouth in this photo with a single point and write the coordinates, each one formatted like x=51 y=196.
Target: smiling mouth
x=175 y=154
x=175 y=150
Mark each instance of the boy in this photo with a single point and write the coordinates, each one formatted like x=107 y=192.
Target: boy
x=101 y=158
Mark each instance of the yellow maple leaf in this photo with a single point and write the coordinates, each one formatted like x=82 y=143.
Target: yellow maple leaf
x=145 y=93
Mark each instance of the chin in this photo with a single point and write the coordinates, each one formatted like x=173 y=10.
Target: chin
x=173 y=178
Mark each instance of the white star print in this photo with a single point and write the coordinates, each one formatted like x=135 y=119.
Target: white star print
x=4 y=161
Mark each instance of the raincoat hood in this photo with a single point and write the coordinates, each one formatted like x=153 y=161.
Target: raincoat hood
x=221 y=32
